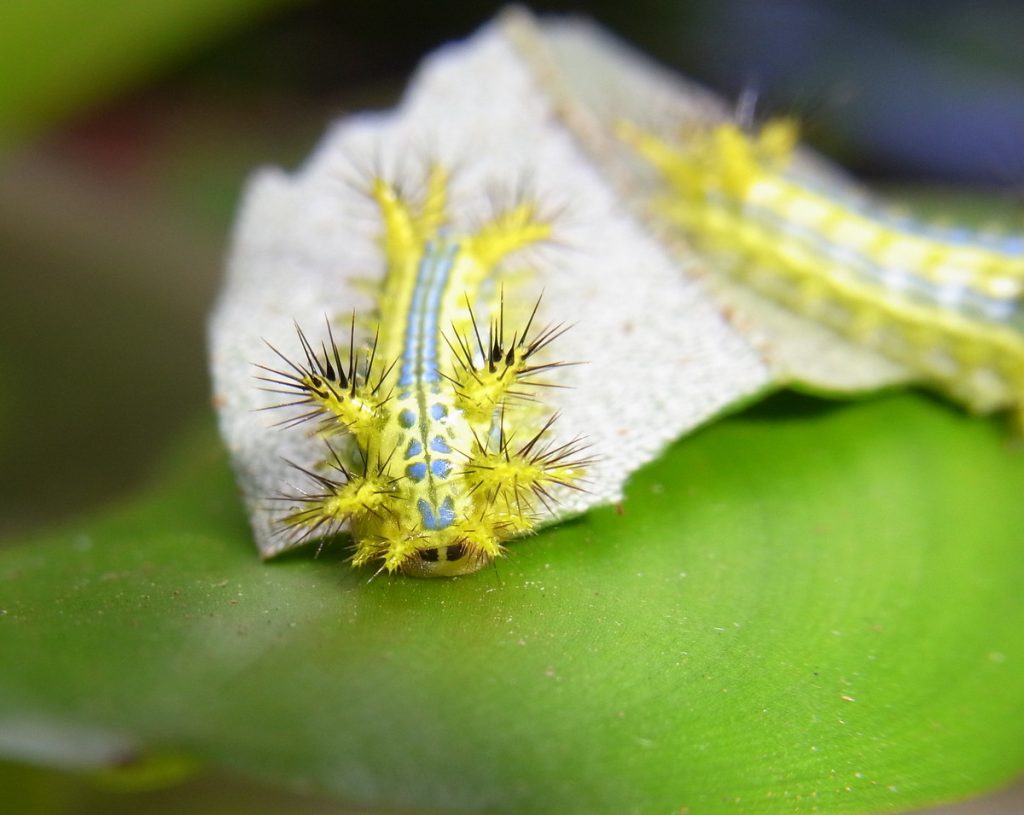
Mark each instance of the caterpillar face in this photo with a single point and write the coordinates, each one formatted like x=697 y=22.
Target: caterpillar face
x=944 y=302
x=444 y=561
x=429 y=461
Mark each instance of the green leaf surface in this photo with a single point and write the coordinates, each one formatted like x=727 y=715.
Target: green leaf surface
x=805 y=608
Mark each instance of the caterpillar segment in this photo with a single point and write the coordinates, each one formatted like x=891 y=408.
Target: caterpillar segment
x=437 y=447
x=945 y=302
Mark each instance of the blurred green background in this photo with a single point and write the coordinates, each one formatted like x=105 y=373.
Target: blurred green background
x=127 y=130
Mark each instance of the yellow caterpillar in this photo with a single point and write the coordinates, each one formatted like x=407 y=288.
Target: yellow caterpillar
x=434 y=454
x=944 y=302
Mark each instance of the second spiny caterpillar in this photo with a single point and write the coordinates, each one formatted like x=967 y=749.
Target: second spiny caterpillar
x=947 y=303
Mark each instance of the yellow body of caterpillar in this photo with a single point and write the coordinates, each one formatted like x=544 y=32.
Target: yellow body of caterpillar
x=946 y=304
x=429 y=459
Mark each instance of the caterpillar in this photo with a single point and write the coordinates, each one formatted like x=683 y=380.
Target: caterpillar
x=945 y=302
x=435 y=448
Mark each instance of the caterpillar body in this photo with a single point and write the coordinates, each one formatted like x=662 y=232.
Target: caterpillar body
x=435 y=451
x=947 y=303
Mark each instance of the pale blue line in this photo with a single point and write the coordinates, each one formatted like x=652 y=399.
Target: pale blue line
x=410 y=352
x=968 y=301
x=419 y=355
x=1012 y=244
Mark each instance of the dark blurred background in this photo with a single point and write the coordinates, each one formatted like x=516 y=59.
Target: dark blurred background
x=127 y=130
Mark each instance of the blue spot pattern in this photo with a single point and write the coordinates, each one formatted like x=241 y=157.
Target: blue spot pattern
x=416 y=471
x=444 y=518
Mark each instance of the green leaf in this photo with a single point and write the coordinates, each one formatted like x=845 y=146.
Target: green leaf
x=58 y=56
x=807 y=607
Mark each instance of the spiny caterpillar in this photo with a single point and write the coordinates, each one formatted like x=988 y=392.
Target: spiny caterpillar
x=944 y=302
x=434 y=451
